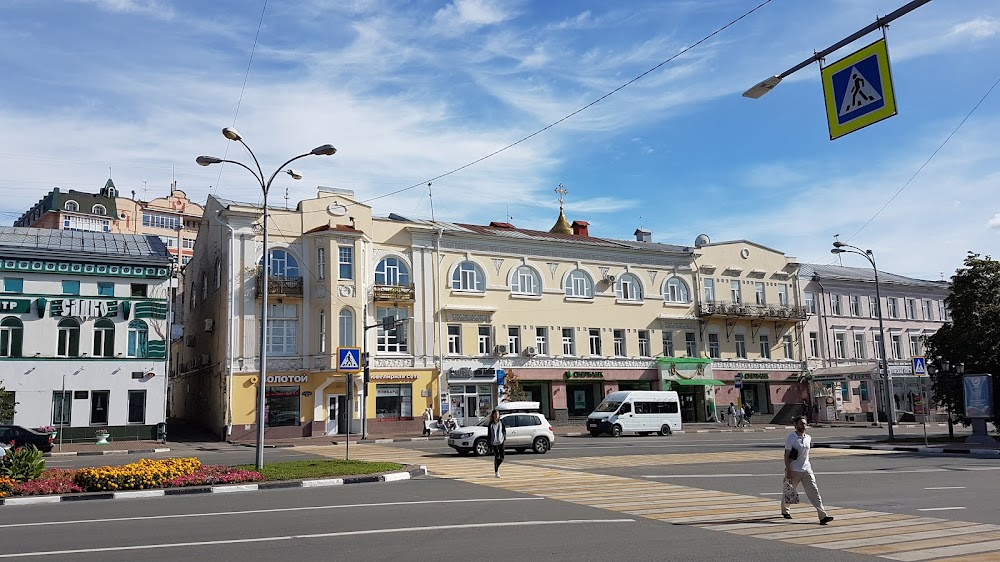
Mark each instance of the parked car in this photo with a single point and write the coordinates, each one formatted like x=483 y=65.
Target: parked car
x=526 y=429
x=17 y=435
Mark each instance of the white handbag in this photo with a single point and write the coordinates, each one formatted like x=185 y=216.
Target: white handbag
x=790 y=493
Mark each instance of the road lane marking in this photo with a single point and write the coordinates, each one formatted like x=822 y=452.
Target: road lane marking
x=940 y=508
x=493 y=525
x=946 y=488
x=256 y=511
x=834 y=473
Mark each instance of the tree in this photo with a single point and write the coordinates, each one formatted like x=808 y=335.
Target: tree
x=7 y=405
x=972 y=337
x=512 y=388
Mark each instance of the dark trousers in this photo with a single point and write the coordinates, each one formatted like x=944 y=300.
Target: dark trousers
x=497 y=457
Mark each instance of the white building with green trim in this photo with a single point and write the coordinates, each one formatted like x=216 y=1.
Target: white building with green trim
x=83 y=329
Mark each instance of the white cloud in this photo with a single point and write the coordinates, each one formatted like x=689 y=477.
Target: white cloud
x=465 y=15
x=994 y=222
x=152 y=8
x=979 y=28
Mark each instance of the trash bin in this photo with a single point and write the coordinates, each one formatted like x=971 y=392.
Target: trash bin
x=161 y=432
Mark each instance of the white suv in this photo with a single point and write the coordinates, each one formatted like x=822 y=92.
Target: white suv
x=525 y=430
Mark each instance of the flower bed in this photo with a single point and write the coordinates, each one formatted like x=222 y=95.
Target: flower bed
x=140 y=475
x=210 y=475
x=52 y=481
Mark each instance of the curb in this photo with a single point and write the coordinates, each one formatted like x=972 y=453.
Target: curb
x=411 y=472
x=108 y=453
x=984 y=453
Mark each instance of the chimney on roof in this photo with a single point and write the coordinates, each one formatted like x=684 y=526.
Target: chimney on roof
x=643 y=235
x=580 y=228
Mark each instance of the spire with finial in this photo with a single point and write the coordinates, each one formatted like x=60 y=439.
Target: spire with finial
x=562 y=225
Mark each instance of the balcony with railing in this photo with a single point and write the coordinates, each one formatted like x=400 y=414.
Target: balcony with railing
x=394 y=293
x=727 y=309
x=279 y=286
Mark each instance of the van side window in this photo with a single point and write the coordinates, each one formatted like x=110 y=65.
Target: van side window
x=671 y=407
x=656 y=407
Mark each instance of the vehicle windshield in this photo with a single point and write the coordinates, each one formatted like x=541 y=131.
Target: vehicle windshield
x=485 y=422
x=608 y=406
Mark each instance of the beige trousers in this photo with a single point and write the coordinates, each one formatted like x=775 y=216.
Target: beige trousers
x=808 y=480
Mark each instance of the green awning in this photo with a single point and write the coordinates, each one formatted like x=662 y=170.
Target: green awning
x=697 y=382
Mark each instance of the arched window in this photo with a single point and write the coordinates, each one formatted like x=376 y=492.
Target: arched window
x=71 y=205
x=392 y=271
x=11 y=337
x=69 y=338
x=204 y=285
x=100 y=210
x=468 y=277
x=579 y=284
x=218 y=273
x=104 y=338
x=138 y=339
x=628 y=287
x=525 y=281
x=345 y=327
x=282 y=264
x=676 y=290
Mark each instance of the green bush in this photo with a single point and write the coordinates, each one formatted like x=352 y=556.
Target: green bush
x=22 y=464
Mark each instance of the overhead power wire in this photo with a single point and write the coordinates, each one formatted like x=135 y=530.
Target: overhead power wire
x=574 y=113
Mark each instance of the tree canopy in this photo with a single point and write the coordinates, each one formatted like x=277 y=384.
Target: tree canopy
x=7 y=405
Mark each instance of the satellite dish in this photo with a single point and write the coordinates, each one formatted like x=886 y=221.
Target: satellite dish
x=702 y=240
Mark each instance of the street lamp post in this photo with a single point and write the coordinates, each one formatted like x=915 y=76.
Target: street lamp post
x=842 y=248
x=265 y=186
x=947 y=371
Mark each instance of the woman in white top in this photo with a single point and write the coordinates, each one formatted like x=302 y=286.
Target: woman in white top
x=496 y=434
x=798 y=469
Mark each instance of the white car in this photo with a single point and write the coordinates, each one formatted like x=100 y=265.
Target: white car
x=525 y=430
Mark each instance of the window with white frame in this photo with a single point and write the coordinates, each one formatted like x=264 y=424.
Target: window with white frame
x=542 y=340
x=345 y=262
x=71 y=206
x=873 y=306
x=454 y=339
x=691 y=344
x=783 y=294
x=392 y=271
x=282 y=329
x=568 y=345
x=708 y=289
x=943 y=312
x=282 y=264
x=322 y=331
x=928 y=310
x=485 y=340
x=741 y=346
x=525 y=281
x=138 y=339
x=620 y=349
x=345 y=327
x=896 y=344
x=579 y=285
x=877 y=344
x=628 y=287
x=89 y=224
x=104 y=338
x=514 y=339
x=758 y=293
x=860 y=346
x=321 y=263
x=813 y=344
x=911 y=309
x=393 y=340
x=765 y=346
x=11 y=337
x=811 y=303
x=714 y=350
x=835 y=308
x=676 y=290
x=891 y=307
x=786 y=343
x=840 y=345
x=645 y=350
x=668 y=343
x=855 y=305
x=468 y=277
x=68 y=342
x=594 y=339
x=100 y=210
x=916 y=347
x=735 y=292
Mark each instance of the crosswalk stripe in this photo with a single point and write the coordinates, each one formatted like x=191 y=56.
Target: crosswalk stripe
x=833 y=535
x=887 y=522
x=974 y=548
x=909 y=542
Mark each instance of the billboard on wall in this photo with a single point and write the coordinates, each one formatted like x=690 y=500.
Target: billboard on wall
x=978 y=395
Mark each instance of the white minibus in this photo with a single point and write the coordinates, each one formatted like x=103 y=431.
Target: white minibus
x=636 y=411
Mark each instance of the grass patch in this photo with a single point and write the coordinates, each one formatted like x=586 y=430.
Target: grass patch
x=320 y=468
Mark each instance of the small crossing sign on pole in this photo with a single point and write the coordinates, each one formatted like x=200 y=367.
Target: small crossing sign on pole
x=858 y=90
x=919 y=367
x=349 y=359
x=738 y=380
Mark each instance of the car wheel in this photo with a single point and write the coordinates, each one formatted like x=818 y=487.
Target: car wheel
x=595 y=433
x=540 y=445
x=665 y=430
x=481 y=448
x=616 y=431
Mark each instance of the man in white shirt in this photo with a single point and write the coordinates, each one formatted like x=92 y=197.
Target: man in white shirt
x=798 y=469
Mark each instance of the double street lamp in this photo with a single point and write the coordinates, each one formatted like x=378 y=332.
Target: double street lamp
x=842 y=248
x=265 y=186
x=951 y=373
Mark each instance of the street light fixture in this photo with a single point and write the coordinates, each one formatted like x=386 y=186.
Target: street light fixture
x=265 y=186
x=842 y=248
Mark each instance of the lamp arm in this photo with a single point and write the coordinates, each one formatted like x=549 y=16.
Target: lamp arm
x=260 y=173
x=247 y=168
x=280 y=168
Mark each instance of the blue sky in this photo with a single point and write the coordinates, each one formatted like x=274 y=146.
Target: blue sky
x=411 y=90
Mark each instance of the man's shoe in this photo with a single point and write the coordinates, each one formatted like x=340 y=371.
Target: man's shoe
x=786 y=515
x=826 y=520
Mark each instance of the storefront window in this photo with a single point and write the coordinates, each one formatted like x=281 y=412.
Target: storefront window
x=281 y=407
x=393 y=401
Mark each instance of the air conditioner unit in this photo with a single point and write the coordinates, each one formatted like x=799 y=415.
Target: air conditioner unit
x=529 y=351
x=189 y=341
x=500 y=350
x=610 y=278
x=209 y=325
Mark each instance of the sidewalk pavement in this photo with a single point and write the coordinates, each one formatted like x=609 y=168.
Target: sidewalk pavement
x=112 y=448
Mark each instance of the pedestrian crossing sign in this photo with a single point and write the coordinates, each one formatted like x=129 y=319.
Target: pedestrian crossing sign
x=919 y=367
x=349 y=359
x=858 y=90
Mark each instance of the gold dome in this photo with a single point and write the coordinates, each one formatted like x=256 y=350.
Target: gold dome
x=562 y=225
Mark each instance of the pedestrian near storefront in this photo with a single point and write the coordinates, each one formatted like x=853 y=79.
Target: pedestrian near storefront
x=747 y=413
x=799 y=470
x=731 y=414
x=496 y=434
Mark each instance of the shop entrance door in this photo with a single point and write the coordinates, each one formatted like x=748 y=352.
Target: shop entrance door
x=471 y=408
x=336 y=414
x=689 y=407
